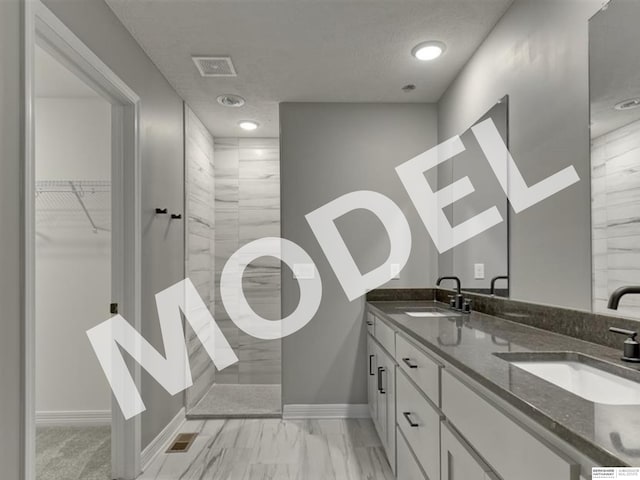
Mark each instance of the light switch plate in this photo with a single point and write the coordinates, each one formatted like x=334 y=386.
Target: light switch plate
x=304 y=271
x=478 y=271
x=395 y=271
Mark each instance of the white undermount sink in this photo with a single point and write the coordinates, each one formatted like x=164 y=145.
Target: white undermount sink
x=426 y=312
x=432 y=313
x=585 y=381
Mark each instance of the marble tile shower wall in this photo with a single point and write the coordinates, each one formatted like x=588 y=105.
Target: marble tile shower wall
x=615 y=200
x=200 y=241
x=247 y=207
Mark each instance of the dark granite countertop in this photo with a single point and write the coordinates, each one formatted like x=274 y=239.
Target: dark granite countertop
x=609 y=434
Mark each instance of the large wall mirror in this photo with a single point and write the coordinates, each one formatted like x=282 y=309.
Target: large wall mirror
x=485 y=257
x=614 y=64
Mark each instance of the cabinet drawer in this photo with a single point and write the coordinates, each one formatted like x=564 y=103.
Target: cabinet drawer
x=511 y=451
x=408 y=468
x=419 y=367
x=370 y=322
x=459 y=461
x=420 y=424
x=386 y=336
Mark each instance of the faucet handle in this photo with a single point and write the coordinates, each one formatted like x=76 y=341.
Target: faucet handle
x=466 y=306
x=452 y=301
x=631 y=346
x=624 y=331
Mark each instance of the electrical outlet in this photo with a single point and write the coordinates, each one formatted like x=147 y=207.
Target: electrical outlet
x=304 y=271
x=478 y=271
x=395 y=271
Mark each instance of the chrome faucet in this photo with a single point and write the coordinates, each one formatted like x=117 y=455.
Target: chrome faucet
x=614 y=299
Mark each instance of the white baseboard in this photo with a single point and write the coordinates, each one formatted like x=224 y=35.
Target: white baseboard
x=162 y=440
x=78 y=418
x=340 y=410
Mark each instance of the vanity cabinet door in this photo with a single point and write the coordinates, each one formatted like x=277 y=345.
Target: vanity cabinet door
x=372 y=365
x=382 y=397
x=390 y=408
x=512 y=451
x=458 y=461
x=408 y=467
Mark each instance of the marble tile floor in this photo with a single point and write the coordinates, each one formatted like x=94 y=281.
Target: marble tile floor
x=73 y=453
x=239 y=401
x=275 y=449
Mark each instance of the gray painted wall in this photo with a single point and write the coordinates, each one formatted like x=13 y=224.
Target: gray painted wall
x=161 y=144
x=11 y=111
x=538 y=55
x=327 y=150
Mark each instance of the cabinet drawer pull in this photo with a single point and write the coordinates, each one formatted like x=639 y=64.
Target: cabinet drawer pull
x=407 y=416
x=380 y=389
x=410 y=363
x=371 y=357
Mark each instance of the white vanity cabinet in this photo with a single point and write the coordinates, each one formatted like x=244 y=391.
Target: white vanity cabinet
x=408 y=467
x=512 y=451
x=459 y=461
x=381 y=384
x=436 y=425
x=419 y=421
x=387 y=406
x=421 y=368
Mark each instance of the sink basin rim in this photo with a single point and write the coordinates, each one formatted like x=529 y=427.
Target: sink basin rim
x=571 y=356
x=427 y=312
x=587 y=377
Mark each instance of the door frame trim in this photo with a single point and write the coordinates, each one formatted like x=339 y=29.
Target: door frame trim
x=43 y=28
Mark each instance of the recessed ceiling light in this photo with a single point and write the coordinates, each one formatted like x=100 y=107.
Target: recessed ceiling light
x=426 y=51
x=628 y=104
x=230 y=100
x=248 y=125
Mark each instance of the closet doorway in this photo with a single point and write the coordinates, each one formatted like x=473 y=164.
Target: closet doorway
x=82 y=234
x=73 y=273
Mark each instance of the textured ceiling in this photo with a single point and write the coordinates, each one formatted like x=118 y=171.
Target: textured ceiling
x=305 y=50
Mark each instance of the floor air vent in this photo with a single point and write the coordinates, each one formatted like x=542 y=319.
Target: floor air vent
x=215 y=66
x=182 y=442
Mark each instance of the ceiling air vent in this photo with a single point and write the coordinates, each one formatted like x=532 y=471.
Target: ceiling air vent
x=215 y=66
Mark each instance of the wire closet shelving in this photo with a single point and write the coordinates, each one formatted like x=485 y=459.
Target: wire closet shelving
x=68 y=202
